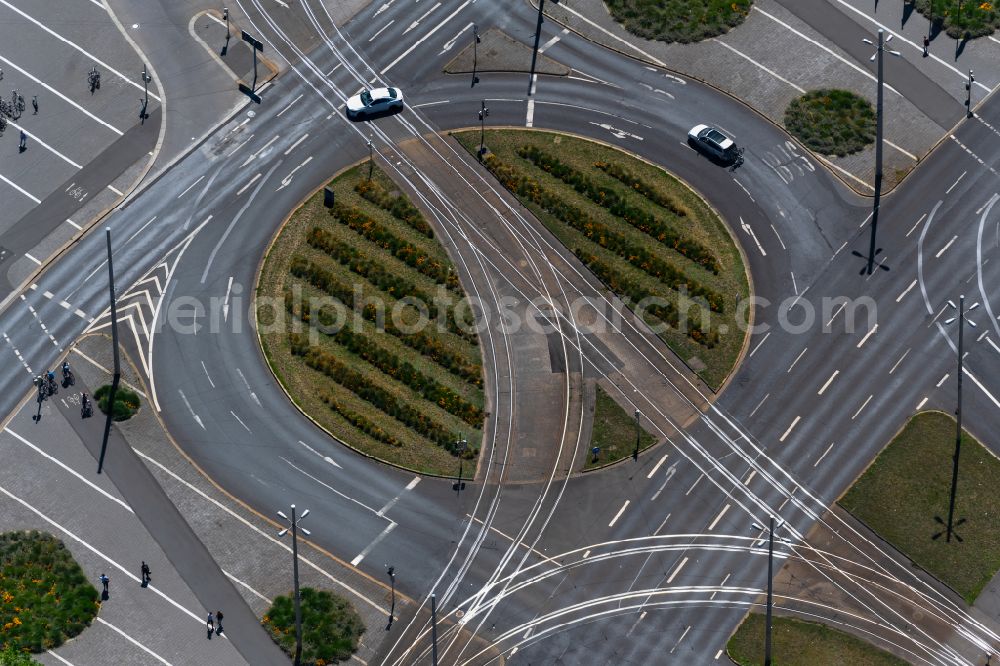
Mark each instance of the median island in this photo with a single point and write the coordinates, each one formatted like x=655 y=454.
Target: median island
x=363 y=321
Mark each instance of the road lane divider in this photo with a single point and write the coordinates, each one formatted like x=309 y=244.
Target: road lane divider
x=619 y=514
x=828 y=382
x=795 y=422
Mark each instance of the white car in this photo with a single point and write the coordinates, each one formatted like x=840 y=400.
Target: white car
x=712 y=141
x=378 y=100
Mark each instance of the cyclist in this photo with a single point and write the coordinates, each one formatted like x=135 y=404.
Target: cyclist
x=85 y=410
x=65 y=370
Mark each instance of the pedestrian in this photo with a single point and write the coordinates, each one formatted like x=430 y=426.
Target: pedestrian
x=145 y=573
x=104 y=583
x=24 y=142
x=34 y=104
x=218 y=616
x=211 y=624
x=927 y=43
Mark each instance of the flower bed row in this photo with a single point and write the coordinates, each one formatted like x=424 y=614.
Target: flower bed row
x=636 y=183
x=360 y=422
x=604 y=236
x=390 y=364
x=654 y=305
x=399 y=207
x=323 y=279
x=381 y=399
x=617 y=206
x=356 y=220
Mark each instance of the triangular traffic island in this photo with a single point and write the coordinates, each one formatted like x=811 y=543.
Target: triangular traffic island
x=499 y=52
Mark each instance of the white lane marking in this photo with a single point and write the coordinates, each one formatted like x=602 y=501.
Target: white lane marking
x=422 y=17
x=617 y=133
x=610 y=34
x=546 y=45
x=73 y=224
x=683 y=634
x=200 y=178
x=437 y=103
x=35 y=139
x=286 y=181
x=225 y=300
x=722 y=584
x=40 y=322
x=447 y=46
x=50 y=652
x=196 y=417
x=116 y=190
x=207 y=374
x=945 y=248
x=820 y=459
x=942 y=380
x=292 y=103
x=863 y=405
x=20 y=189
x=328 y=486
x=745 y=190
x=530 y=118
x=656 y=467
x=245 y=187
x=750 y=476
x=247 y=586
x=948 y=191
x=828 y=382
x=800 y=89
x=253 y=395
x=870 y=332
x=82 y=315
x=983 y=388
x=381 y=30
x=677 y=571
x=70 y=470
x=669 y=475
x=300 y=140
x=754 y=350
x=719 y=653
x=106 y=371
x=789 y=431
x=32 y=258
x=694 y=484
x=749 y=230
x=993 y=344
x=921 y=404
x=906 y=291
x=917 y=224
x=233 y=151
x=758 y=405
x=718 y=518
x=385 y=6
x=132 y=640
x=320 y=455
x=360 y=556
x=257 y=152
x=413 y=483
x=795 y=287
x=801 y=354
x=834 y=315
x=779 y=237
x=900 y=148
x=65 y=305
x=391 y=503
x=139 y=231
x=268 y=536
x=619 y=514
x=522 y=544
x=648 y=87
x=421 y=40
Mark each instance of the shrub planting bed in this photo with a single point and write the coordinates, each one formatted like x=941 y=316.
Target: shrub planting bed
x=679 y=20
x=331 y=628
x=126 y=401
x=643 y=233
x=962 y=19
x=832 y=122
x=359 y=317
x=45 y=599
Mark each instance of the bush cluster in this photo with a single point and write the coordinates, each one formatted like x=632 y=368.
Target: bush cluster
x=399 y=207
x=126 y=402
x=331 y=628
x=681 y=21
x=636 y=183
x=390 y=364
x=360 y=422
x=410 y=254
x=609 y=198
x=601 y=234
x=361 y=386
x=425 y=344
x=321 y=278
x=665 y=312
x=832 y=122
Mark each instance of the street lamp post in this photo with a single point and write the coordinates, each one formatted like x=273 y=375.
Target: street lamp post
x=293 y=525
x=949 y=529
x=882 y=41
x=392 y=607
x=475 y=53
x=225 y=47
x=483 y=115
x=635 y=454
x=434 y=631
x=968 y=94
x=770 y=590
x=146 y=78
x=371 y=156
x=461 y=445
x=116 y=377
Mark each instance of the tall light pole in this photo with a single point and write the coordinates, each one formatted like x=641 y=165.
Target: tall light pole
x=882 y=41
x=968 y=94
x=534 y=51
x=225 y=15
x=461 y=445
x=635 y=454
x=949 y=529
x=475 y=53
x=434 y=631
x=293 y=525
x=392 y=608
x=146 y=78
x=116 y=377
x=770 y=595
x=483 y=115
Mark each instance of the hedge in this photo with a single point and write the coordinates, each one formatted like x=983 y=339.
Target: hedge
x=636 y=183
x=399 y=207
x=360 y=422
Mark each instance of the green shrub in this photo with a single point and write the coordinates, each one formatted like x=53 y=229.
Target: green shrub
x=126 y=402
x=636 y=183
x=331 y=627
x=45 y=599
x=13 y=657
x=832 y=122
x=976 y=19
x=397 y=206
x=359 y=421
x=679 y=20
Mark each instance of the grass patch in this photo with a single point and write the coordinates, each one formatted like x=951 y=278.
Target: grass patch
x=679 y=20
x=126 y=402
x=45 y=598
x=976 y=19
x=341 y=298
x=909 y=484
x=614 y=433
x=832 y=122
x=330 y=626
x=799 y=643
x=648 y=237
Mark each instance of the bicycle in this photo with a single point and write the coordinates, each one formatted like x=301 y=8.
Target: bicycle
x=14 y=113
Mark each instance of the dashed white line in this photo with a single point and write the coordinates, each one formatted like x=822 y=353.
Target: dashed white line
x=677 y=571
x=758 y=405
x=421 y=40
x=863 y=405
x=530 y=118
x=240 y=420
x=948 y=191
x=820 y=459
x=718 y=518
x=801 y=354
x=247 y=186
x=360 y=556
x=750 y=476
x=754 y=350
x=921 y=404
x=788 y=432
x=916 y=225
x=296 y=144
x=292 y=103
x=207 y=374
x=696 y=481
x=656 y=467
x=775 y=230
x=196 y=417
x=32 y=258
x=619 y=514
x=896 y=365
x=754 y=62
x=870 y=332
x=381 y=30
x=946 y=246
x=828 y=382
x=188 y=189
x=552 y=41
x=942 y=380
x=906 y=291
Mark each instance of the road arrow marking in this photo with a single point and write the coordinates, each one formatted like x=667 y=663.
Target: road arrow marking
x=417 y=22
x=288 y=179
x=384 y=7
x=450 y=43
x=747 y=228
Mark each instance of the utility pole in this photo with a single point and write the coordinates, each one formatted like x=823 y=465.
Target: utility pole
x=483 y=115
x=294 y=527
x=461 y=446
x=635 y=454
x=475 y=53
x=434 y=631
x=882 y=41
x=116 y=377
x=146 y=78
x=968 y=94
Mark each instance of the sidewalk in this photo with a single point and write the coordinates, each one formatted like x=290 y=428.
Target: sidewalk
x=206 y=551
